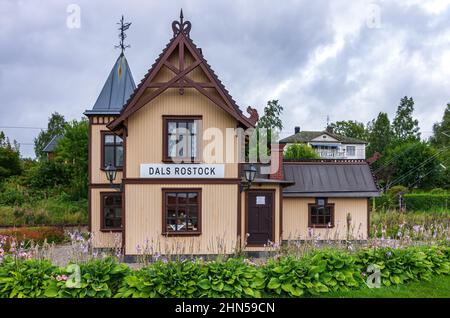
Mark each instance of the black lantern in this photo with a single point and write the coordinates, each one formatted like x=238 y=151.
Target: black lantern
x=111 y=173
x=249 y=175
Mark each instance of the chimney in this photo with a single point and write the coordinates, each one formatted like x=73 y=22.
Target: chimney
x=297 y=129
x=277 y=157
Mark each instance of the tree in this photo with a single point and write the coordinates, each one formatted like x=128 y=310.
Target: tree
x=267 y=127
x=72 y=149
x=379 y=135
x=441 y=131
x=300 y=151
x=404 y=127
x=55 y=127
x=349 y=128
x=9 y=158
x=415 y=164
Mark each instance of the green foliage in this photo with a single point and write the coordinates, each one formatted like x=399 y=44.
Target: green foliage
x=317 y=273
x=379 y=135
x=349 y=128
x=271 y=118
x=56 y=209
x=55 y=127
x=267 y=128
x=426 y=201
x=48 y=174
x=416 y=164
x=72 y=150
x=397 y=266
x=98 y=279
x=24 y=278
x=9 y=158
x=404 y=127
x=321 y=272
x=300 y=151
x=441 y=130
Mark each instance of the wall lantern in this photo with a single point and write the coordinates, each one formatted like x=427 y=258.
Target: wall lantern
x=111 y=173
x=249 y=175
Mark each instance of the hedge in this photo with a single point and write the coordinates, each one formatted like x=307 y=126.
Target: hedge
x=319 y=272
x=426 y=201
x=415 y=201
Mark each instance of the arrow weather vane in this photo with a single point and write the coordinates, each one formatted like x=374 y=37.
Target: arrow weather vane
x=122 y=36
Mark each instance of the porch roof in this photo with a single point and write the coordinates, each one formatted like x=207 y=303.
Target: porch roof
x=329 y=179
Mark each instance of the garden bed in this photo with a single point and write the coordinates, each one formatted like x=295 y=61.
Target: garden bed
x=317 y=273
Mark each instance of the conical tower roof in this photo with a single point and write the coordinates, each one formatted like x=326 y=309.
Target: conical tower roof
x=116 y=91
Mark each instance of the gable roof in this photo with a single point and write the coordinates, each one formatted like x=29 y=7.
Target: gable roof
x=50 y=147
x=307 y=136
x=115 y=92
x=181 y=41
x=330 y=179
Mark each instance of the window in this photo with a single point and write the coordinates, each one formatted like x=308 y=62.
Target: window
x=351 y=150
x=112 y=150
x=181 y=211
x=321 y=213
x=111 y=209
x=181 y=135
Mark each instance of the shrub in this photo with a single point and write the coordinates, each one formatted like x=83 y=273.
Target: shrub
x=24 y=278
x=98 y=279
x=319 y=272
x=48 y=174
x=323 y=271
x=300 y=151
x=35 y=234
x=426 y=201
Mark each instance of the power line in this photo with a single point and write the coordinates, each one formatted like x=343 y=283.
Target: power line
x=21 y=127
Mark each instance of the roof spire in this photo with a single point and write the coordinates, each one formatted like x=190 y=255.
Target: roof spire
x=122 y=36
x=181 y=27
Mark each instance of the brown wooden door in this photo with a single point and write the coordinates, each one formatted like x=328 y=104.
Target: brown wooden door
x=260 y=210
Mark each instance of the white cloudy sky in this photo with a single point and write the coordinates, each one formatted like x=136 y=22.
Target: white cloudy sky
x=345 y=59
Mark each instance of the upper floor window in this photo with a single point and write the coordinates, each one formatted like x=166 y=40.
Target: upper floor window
x=112 y=150
x=111 y=211
x=351 y=150
x=181 y=211
x=321 y=213
x=181 y=135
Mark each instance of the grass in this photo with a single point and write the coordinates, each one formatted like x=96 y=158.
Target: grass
x=437 y=287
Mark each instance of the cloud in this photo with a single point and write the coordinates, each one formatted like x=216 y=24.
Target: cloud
x=318 y=58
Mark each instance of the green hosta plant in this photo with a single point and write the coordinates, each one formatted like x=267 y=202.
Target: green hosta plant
x=231 y=278
x=24 y=278
x=163 y=279
x=96 y=278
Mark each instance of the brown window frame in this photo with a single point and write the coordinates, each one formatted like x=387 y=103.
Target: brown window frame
x=165 y=207
x=103 y=133
x=168 y=118
x=103 y=228
x=326 y=205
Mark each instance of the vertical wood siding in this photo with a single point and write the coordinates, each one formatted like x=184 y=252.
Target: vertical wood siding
x=145 y=132
x=295 y=218
x=98 y=175
x=144 y=220
x=101 y=239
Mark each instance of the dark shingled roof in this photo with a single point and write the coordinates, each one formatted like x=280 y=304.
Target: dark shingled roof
x=50 y=147
x=118 y=87
x=307 y=136
x=329 y=179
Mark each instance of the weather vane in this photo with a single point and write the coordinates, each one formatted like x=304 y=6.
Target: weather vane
x=122 y=36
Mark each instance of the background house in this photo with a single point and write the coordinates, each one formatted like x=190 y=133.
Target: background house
x=328 y=145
